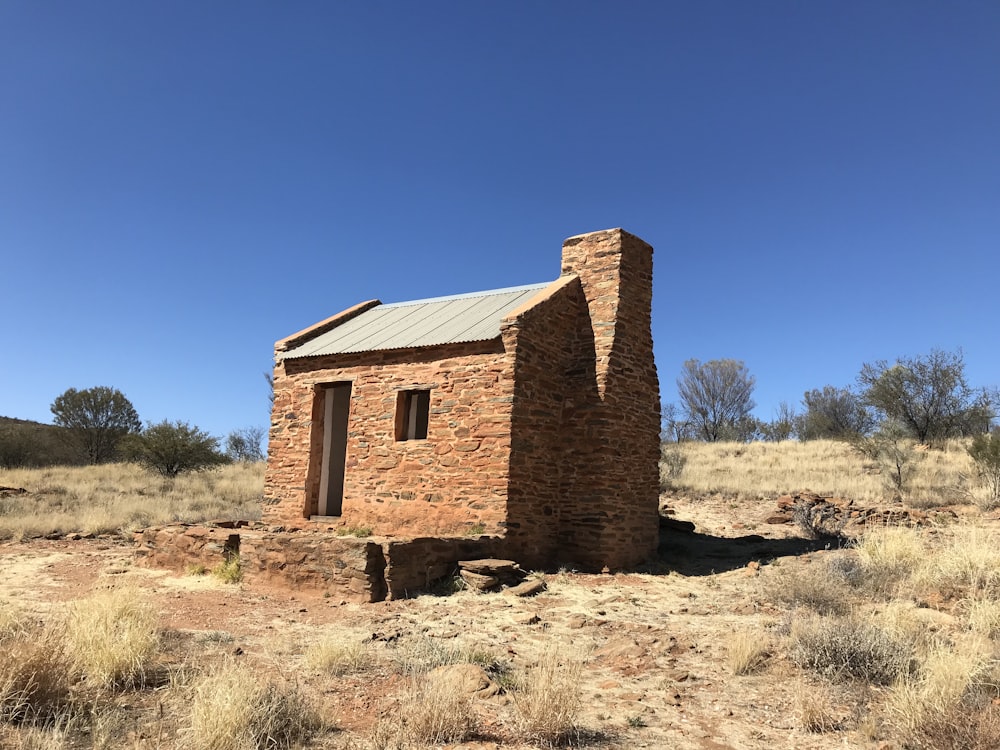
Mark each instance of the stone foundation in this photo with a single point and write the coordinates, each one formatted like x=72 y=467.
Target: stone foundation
x=365 y=570
x=182 y=547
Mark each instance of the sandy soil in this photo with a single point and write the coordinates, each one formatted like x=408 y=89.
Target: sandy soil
x=655 y=643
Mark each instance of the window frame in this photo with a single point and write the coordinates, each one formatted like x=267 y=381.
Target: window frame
x=413 y=414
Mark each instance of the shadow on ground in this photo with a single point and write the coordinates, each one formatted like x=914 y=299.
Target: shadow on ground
x=692 y=554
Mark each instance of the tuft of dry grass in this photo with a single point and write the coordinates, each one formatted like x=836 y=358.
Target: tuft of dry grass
x=814 y=707
x=828 y=467
x=546 y=700
x=967 y=560
x=953 y=563
x=745 y=652
x=431 y=711
x=38 y=738
x=818 y=587
x=13 y=621
x=890 y=556
x=948 y=703
x=122 y=498
x=232 y=708
x=338 y=653
x=34 y=682
x=112 y=637
x=982 y=615
x=229 y=570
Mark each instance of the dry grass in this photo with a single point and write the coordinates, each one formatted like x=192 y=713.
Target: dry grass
x=982 y=615
x=121 y=498
x=827 y=467
x=37 y=738
x=890 y=557
x=927 y=636
x=229 y=570
x=951 y=563
x=34 y=681
x=815 y=712
x=746 y=652
x=948 y=703
x=546 y=700
x=967 y=562
x=112 y=637
x=13 y=621
x=821 y=588
x=338 y=653
x=431 y=711
x=232 y=708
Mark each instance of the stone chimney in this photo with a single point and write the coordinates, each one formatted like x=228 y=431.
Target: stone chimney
x=614 y=502
x=616 y=272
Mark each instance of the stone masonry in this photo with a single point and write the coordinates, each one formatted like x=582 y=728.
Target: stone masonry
x=544 y=438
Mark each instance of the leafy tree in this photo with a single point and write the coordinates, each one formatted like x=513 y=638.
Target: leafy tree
x=95 y=420
x=170 y=448
x=834 y=413
x=716 y=398
x=927 y=396
x=245 y=444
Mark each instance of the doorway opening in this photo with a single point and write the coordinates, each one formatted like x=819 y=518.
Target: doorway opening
x=336 y=411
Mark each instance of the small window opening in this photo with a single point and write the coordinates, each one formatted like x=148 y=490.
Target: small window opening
x=412 y=410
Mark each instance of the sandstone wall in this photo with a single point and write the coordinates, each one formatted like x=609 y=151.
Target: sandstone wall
x=610 y=509
x=553 y=374
x=584 y=477
x=450 y=483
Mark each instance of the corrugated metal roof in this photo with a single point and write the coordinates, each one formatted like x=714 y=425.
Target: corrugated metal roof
x=423 y=322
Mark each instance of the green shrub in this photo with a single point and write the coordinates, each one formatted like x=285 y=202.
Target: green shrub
x=170 y=448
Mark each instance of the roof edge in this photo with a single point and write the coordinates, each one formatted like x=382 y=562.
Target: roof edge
x=468 y=295
x=545 y=293
x=297 y=339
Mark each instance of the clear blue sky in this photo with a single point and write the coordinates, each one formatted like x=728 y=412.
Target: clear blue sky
x=183 y=183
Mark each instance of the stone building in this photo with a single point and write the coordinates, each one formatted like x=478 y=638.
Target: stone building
x=527 y=417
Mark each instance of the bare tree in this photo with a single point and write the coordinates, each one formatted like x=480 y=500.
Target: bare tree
x=783 y=426
x=674 y=427
x=716 y=397
x=245 y=444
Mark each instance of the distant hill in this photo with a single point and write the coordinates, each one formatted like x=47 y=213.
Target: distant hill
x=8 y=421
x=27 y=443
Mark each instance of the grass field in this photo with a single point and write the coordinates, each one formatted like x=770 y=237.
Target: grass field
x=888 y=641
x=121 y=498
x=826 y=467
